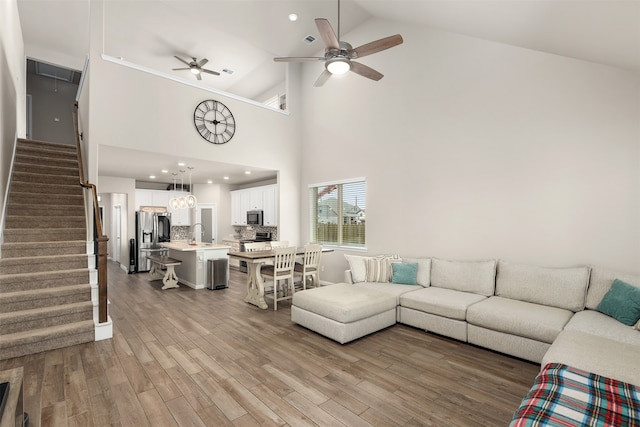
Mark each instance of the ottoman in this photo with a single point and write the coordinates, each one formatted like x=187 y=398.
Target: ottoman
x=343 y=312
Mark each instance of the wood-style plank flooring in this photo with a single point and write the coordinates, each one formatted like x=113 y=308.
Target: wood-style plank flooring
x=182 y=357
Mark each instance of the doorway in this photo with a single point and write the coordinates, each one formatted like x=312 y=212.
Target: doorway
x=207 y=215
x=117 y=232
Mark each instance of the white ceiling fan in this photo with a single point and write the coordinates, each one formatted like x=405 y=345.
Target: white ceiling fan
x=339 y=55
x=195 y=67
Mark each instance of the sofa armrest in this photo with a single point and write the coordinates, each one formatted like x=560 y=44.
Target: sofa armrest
x=347 y=277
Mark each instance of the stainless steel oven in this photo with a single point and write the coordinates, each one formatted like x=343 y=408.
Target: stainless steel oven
x=260 y=237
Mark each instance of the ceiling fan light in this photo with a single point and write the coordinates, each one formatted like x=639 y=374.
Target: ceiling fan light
x=338 y=66
x=195 y=71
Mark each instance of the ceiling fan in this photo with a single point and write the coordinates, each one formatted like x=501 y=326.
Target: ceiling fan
x=338 y=55
x=195 y=67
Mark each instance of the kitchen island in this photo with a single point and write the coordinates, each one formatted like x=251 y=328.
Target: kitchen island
x=193 y=269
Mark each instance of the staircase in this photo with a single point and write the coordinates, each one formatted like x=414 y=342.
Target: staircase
x=45 y=291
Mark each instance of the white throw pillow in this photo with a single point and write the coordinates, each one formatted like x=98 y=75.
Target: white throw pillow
x=358 y=267
x=424 y=270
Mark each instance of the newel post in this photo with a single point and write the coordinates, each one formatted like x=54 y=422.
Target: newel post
x=102 y=278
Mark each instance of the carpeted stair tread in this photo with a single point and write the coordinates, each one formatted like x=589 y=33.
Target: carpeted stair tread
x=32 y=235
x=43 y=263
x=46 y=169
x=33 y=177
x=27 y=149
x=26 y=249
x=45 y=145
x=43 y=279
x=38 y=222
x=46 y=297
x=36 y=318
x=46 y=188
x=42 y=210
x=50 y=338
x=39 y=159
x=47 y=199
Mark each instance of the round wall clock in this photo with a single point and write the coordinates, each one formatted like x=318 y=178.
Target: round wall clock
x=214 y=121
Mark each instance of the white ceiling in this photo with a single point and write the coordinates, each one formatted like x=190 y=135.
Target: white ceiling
x=245 y=35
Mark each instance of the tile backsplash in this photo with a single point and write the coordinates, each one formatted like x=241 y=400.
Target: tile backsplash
x=184 y=232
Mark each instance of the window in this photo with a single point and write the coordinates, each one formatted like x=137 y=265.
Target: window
x=337 y=213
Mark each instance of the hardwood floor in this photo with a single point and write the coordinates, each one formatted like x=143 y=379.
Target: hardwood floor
x=182 y=357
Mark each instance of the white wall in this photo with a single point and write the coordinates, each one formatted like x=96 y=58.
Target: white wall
x=474 y=149
x=12 y=91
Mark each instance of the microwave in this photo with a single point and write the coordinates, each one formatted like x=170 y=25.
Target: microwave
x=254 y=217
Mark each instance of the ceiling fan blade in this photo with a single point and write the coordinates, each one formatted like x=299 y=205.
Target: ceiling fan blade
x=215 y=73
x=180 y=69
x=328 y=35
x=181 y=60
x=199 y=76
x=299 y=59
x=366 y=71
x=322 y=78
x=202 y=62
x=377 y=46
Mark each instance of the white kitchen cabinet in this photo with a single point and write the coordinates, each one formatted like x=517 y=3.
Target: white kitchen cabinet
x=270 y=206
x=257 y=198
x=179 y=217
x=238 y=208
x=151 y=198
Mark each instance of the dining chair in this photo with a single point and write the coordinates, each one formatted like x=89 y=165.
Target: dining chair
x=282 y=269
x=256 y=246
x=279 y=244
x=310 y=265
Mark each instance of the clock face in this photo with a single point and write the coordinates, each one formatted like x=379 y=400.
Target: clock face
x=214 y=121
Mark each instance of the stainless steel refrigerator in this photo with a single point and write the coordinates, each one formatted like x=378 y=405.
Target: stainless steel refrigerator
x=153 y=226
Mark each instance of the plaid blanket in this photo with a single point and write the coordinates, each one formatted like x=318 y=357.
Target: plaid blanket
x=563 y=396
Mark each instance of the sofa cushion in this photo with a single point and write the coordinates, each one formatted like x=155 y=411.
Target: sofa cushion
x=524 y=319
x=424 y=270
x=343 y=302
x=440 y=301
x=556 y=287
x=404 y=273
x=379 y=268
x=600 y=282
x=394 y=289
x=595 y=354
x=467 y=276
x=596 y=323
x=622 y=302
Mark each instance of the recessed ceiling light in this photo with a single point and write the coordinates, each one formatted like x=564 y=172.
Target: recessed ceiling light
x=247 y=172
x=164 y=171
x=226 y=177
x=293 y=17
x=209 y=182
x=181 y=163
x=152 y=177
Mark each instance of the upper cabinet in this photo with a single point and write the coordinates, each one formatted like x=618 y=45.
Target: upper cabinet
x=152 y=198
x=257 y=198
x=179 y=217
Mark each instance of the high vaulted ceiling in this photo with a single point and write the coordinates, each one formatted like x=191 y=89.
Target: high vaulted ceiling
x=245 y=35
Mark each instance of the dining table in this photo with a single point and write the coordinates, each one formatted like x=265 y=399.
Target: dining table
x=254 y=260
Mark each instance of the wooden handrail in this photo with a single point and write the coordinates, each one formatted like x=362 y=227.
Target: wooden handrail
x=100 y=239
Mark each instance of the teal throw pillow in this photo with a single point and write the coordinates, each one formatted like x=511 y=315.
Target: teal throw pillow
x=404 y=274
x=622 y=302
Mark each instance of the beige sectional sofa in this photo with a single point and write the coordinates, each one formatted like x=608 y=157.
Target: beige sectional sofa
x=535 y=313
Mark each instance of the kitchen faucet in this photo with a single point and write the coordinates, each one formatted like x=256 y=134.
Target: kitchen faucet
x=193 y=231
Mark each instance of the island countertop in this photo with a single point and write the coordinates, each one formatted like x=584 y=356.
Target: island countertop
x=183 y=245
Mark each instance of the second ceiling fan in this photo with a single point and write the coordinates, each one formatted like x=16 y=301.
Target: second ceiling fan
x=195 y=67
x=339 y=55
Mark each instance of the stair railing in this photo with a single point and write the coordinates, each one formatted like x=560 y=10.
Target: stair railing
x=100 y=240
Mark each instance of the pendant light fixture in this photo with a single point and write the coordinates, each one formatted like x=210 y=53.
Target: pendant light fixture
x=174 y=203
x=191 y=199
